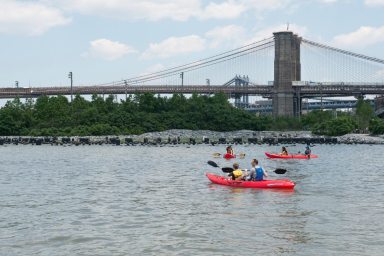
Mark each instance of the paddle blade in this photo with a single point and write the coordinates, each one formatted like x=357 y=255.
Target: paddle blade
x=227 y=169
x=280 y=171
x=211 y=163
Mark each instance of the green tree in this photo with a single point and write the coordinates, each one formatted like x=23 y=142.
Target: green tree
x=15 y=118
x=147 y=112
x=376 y=126
x=335 y=127
x=364 y=113
x=315 y=117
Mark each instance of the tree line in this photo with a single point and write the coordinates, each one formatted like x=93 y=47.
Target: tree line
x=140 y=113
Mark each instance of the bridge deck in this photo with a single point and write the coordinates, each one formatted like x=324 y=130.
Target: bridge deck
x=262 y=90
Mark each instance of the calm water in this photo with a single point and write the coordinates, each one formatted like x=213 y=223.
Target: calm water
x=119 y=200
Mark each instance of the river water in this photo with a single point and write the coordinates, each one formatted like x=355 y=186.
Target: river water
x=139 y=200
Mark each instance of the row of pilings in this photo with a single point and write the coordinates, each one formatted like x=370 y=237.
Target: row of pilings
x=162 y=141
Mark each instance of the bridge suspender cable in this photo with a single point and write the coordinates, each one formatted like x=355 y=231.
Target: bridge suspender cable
x=343 y=51
x=203 y=60
x=197 y=64
x=202 y=65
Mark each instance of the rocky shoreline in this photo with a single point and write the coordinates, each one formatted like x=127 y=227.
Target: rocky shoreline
x=179 y=136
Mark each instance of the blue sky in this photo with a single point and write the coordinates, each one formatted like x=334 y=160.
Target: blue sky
x=108 y=40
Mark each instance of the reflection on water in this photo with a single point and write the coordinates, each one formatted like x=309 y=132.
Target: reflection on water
x=119 y=200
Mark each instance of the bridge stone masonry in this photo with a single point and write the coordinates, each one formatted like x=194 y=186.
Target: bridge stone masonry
x=287 y=69
x=287 y=90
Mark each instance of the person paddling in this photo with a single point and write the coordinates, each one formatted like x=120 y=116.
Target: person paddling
x=257 y=173
x=284 y=151
x=237 y=173
x=307 y=151
x=230 y=150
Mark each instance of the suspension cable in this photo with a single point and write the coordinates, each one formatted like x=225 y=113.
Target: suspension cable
x=198 y=65
x=192 y=65
x=361 y=56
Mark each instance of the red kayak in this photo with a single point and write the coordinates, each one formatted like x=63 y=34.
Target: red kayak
x=229 y=156
x=285 y=184
x=298 y=156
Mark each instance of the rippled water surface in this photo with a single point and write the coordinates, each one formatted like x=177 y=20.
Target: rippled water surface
x=120 y=200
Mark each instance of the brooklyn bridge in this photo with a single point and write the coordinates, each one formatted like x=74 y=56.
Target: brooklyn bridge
x=284 y=68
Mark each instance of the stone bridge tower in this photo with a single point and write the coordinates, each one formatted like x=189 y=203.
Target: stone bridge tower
x=287 y=69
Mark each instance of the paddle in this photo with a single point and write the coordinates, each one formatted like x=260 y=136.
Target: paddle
x=229 y=169
x=224 y=169
x=280 y=171
x=213 y=164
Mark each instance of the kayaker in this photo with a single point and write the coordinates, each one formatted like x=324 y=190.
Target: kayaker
x=237 y=174
x=230 y=150
x=257 y=173
x=307 y=151
x=284 y=151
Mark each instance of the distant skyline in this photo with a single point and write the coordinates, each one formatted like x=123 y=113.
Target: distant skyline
x=103 y=41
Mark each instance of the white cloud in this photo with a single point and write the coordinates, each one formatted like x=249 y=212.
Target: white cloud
x=175 y=46
x=235 y=36
x=29 y=18
x=231 y=35
x=225 y=10
x=374 y=2
x=268 y=32
x=108 y=50
x=180 y=10
x=262 y=5
x=328 y=1
x=360 y=38
x=36 y=17
x=152 y=10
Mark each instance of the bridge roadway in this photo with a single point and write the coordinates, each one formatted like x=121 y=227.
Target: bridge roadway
x=163 y=89
x=307 y=91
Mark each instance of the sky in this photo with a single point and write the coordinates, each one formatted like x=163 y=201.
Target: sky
x=101 y=41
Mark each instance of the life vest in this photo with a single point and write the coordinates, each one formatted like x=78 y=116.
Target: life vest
x=229 y=156
x=237 y=173
x=259 y=173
